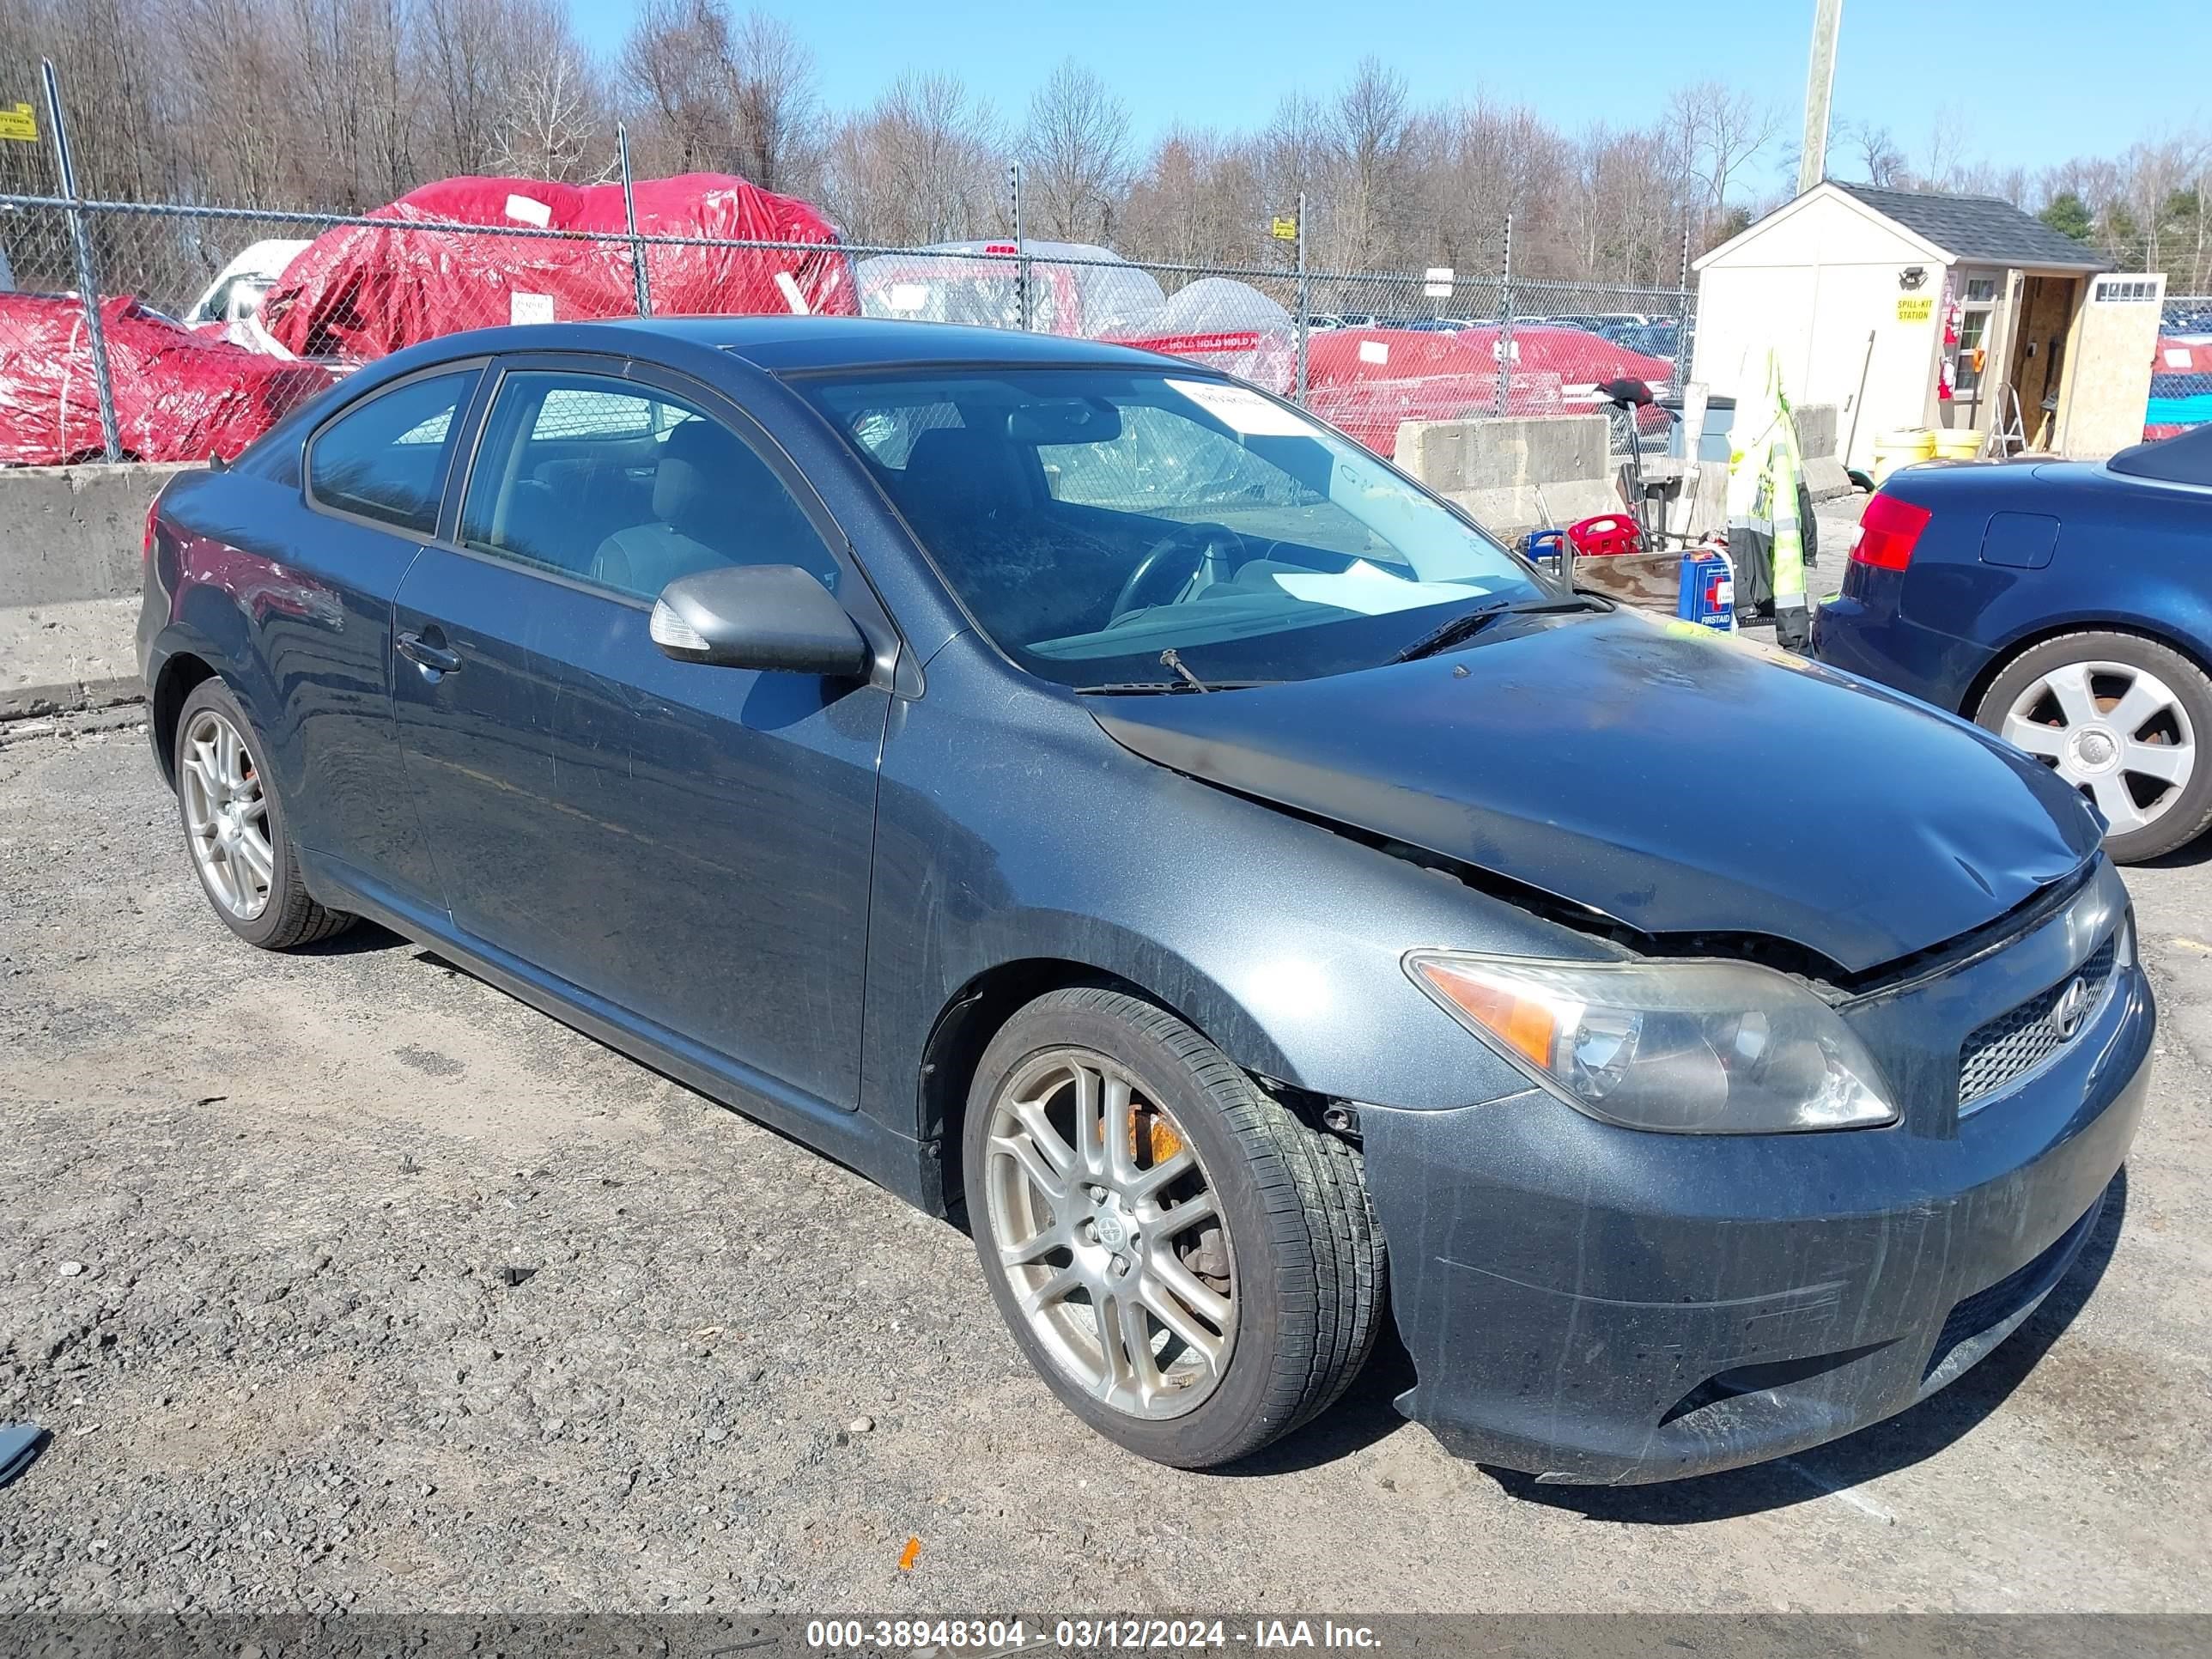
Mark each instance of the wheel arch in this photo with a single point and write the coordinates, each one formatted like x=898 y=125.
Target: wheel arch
x=2018 y=647
x=974 y=1014
x=183 y=672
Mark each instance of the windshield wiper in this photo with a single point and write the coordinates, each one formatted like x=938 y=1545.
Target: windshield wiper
x=1133 y=688
x=1169 y=659
x=1468 y=624
x=1188 y=681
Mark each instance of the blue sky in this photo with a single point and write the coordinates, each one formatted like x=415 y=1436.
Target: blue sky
x=2024 y=82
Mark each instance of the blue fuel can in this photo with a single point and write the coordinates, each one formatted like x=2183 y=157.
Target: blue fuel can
x=1707 y=594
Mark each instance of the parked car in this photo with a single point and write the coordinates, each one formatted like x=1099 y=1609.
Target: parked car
x=238 y=288
x=2064 y=604
x=1090 y=796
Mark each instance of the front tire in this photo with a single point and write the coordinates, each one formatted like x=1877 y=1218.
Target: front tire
x=2123 y=719
x=1193 y=1270
x=234 y=827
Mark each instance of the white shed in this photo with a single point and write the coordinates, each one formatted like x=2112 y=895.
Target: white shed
x=1908 y=308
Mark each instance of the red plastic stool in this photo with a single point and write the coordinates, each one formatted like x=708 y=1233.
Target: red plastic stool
x=1604 y=535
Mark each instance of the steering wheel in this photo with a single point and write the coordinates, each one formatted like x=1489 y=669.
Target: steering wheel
x=1187 y=544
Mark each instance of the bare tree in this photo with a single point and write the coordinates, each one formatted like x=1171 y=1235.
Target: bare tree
x=777 y=109
x=1943 y=157
x=1371 y=125
x=173 y=100
x=922 y=164
x=1725 y=130
x=1199 y=201
x=1873 y=153
x=1075 y=155
x=719 y=92
x=552 y=119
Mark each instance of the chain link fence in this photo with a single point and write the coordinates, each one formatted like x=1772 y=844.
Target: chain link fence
x=2181 y=379
x=185 y=354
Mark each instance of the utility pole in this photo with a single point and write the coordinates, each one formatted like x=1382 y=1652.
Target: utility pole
x=1819 y=83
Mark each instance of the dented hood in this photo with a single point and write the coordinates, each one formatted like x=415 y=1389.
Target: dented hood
x=1670 y=779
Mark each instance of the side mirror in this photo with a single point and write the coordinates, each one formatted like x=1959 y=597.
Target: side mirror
x=773 y=617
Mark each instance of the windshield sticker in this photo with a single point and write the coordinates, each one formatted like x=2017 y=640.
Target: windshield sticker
x=1242 y=411
x=1372 y=591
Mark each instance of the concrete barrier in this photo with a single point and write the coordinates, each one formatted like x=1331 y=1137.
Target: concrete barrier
x=1516 y=475
x=71 y=542
x=1818 y=440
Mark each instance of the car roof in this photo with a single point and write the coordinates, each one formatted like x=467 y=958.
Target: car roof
x=786 y=345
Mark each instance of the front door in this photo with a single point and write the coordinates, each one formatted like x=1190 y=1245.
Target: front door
x=690 y=844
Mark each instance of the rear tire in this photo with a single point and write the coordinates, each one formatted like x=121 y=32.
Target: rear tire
x=1273 y=1296
x=234 y=828
x=2125 y=721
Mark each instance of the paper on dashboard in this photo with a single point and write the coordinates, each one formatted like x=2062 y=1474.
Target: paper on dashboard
x=1370 y=590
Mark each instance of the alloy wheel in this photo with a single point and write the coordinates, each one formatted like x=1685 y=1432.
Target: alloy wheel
x=226 y=815
x=2114 y=732
x=1111 y=1235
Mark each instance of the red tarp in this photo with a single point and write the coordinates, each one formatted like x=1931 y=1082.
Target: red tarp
x=2183 y=354
x=361 y=292
x=1229 y=324
x=1366 y=381
x=179 y=396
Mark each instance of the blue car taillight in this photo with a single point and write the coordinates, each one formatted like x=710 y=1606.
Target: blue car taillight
x=1888 y=532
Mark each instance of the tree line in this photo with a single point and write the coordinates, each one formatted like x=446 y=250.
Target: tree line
x=343 y=104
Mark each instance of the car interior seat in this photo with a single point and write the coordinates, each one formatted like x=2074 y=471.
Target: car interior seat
x=975 y=497
x=959 y=477
x=694 y=526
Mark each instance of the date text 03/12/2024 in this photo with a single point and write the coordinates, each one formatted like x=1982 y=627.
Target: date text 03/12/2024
x=1007 y=1635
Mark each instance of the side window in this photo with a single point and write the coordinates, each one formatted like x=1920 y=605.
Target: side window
x=626 y=486
x=385 y=458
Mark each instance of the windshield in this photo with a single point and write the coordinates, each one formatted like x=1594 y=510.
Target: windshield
x=1092 y=519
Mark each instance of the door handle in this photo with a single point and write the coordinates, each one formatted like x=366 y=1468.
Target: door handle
x=429 y=657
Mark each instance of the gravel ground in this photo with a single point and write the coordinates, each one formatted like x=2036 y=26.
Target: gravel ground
x=343 y=1280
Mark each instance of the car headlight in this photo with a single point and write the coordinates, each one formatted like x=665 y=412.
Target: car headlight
x=1686 y=1047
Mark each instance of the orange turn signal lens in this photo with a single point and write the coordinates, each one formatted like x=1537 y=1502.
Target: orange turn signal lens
x=1529 y=1027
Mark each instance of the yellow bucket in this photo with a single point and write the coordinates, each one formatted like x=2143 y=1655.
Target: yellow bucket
x=1964 y=443
x=1901 y=448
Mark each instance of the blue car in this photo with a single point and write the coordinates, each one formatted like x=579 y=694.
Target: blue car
x=1114 y=810
x=2064 y=605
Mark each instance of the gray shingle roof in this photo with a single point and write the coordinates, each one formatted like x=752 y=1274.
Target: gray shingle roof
x=1982 y=229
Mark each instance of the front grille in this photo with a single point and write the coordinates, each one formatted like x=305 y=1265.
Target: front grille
x=2017 y=1042
x=1985 y=1310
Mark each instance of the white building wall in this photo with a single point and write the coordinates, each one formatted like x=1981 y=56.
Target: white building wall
x=1813 y=282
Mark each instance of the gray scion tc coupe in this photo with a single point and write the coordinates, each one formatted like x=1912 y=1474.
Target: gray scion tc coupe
x=1103 y=805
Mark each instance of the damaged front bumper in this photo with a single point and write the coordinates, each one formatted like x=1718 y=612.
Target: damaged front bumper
x=1600 y=1305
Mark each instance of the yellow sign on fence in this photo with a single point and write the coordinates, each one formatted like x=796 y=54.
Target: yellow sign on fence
x=1284 y=230
x=17 y=122
x=1916 y=309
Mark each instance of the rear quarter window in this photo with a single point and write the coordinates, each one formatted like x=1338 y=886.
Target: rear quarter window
x=386 y=459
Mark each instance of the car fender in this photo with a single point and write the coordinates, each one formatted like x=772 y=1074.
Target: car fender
x=2164 y=610
x=211 y=627
x=1005 y=844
